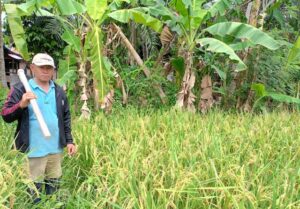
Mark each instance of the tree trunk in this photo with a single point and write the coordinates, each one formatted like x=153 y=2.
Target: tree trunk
x=2 y=64
x=120 y=84
x=133 y=39
x=242 y=76
x=206 y=97
x=254 y=13
x=82 y=82
x=253 y=20
x=166 y=39
x=185 y=97
x=139 y=61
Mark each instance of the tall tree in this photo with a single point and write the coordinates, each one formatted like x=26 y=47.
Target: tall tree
x=2 y=65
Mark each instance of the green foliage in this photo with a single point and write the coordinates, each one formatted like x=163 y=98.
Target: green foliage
x=222 y=6
x=262 y=94
x=73 y=41
x=140 y=88
x=16 y=29
x=15 y=12
x=214 y=45
x=3 y=95
x=284 y=14
x=44 y=34
x=137 y=16
x=100 y=71
x=69 y=63
x=294 y=54
x=243 y=31
x=96 y=8
x=201 y=27
x=67 y=75
x=148 y=43
x=70 y=7
x=178 y=64
x=190 y=20
x=273 y=73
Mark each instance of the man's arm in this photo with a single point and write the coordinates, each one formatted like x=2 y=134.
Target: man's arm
x=12 y=110
x=67 y=121
x=15 y=103
x=67 y=127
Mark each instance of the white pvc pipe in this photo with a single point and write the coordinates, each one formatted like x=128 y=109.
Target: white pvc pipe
x=34 y=105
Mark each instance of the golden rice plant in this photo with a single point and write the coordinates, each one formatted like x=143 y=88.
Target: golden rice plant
x=171 y=159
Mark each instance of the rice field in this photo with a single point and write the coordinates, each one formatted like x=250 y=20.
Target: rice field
x=169 y=160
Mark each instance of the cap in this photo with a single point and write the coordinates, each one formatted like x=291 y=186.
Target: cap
x=41 y=59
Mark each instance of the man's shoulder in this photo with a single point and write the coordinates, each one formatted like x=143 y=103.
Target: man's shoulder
x=59 y=88
x=19 y=86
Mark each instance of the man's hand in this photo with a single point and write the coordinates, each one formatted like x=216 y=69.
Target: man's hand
x=71 y=149
x=26 y=99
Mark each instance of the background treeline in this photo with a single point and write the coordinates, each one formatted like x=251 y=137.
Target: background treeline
x=196 y=55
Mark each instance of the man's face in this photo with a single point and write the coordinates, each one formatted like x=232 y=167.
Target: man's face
x=42 y=73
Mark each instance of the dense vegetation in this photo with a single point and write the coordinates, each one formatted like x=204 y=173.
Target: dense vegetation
x=170 y=159
x=132 y=68
x=194 y=54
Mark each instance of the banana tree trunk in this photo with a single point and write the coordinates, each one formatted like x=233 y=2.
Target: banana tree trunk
x=120 y=84
x=133 y=39
x=139 y=61
x=253 y=20
x=111 y=37
x=166 y=39
x=253 y=75
x=108 y=101
x=82 y=82
x=242 y=76
x=206 y=97
x=185 y=97
x=2 y=65
x=254 y=13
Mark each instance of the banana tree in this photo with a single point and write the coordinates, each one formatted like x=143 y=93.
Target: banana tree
x=84 y=35
x=61 y=10
x=188 y=18
x=294 y=54
x=97 y=13
x=262 y=94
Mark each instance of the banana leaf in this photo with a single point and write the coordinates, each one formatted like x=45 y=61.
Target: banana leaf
x=262 y=93
x=284 y=98
x=69 y=37
x=197 y=14
x=97 y=65
x=221 y=6
x=96 y=8
x=70 y=7
x=217 y=46
x=181 y=6
x=243 y=31
x=16 y=28
x=294 y=54
x=137 y=16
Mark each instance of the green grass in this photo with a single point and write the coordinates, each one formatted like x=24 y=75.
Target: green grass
x=171 y=159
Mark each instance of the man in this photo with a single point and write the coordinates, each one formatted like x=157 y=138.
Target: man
x=44 y=154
